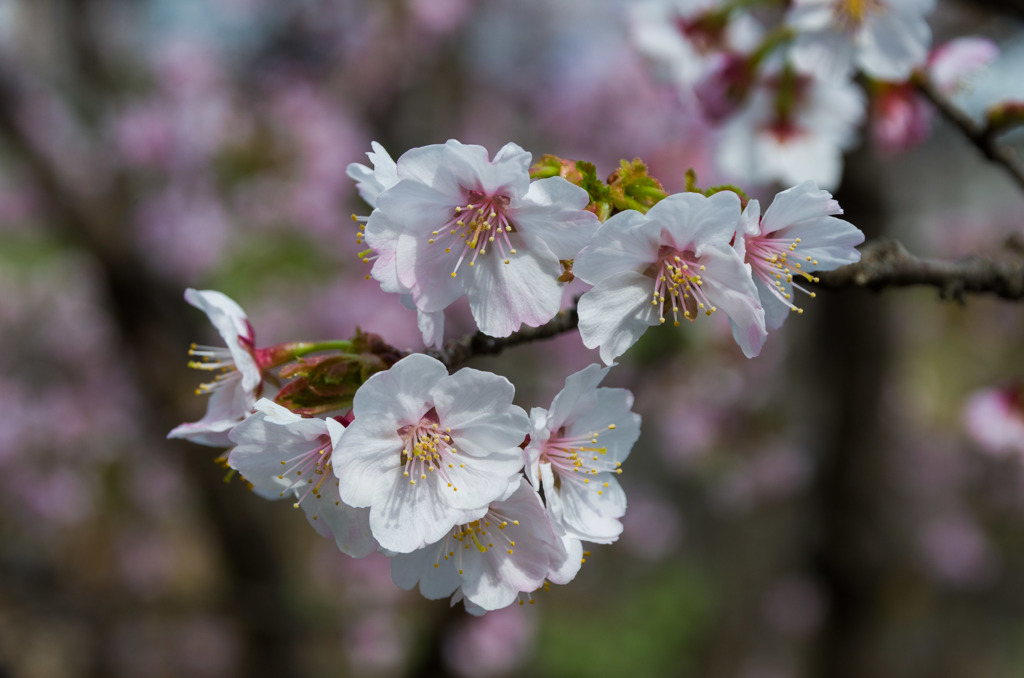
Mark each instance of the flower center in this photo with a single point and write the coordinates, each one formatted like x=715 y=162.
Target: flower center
x=850 y=15
x=213 y=359
x=481 y=535
x=678 y=285
x=577 y=458
x=308 y=470
x=428 y=450
x=479 y=224
x=775 y=261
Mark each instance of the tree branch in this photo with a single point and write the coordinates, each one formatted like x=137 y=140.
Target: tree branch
x=458 y=351
x=886 y=263
x=883 y=264
x=982 y=136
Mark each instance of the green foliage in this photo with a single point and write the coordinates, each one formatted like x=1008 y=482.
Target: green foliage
x=649 y=626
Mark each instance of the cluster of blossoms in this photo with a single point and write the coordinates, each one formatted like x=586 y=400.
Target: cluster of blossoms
x=782 y=99
x=470 y=496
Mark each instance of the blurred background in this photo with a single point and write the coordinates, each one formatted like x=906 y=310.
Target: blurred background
x=825 y=510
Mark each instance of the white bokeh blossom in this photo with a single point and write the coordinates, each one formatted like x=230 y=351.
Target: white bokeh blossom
x=886 y=39
x=794 y=127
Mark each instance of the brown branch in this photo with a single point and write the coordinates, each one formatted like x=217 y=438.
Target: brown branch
x=883 y=264
x=982 y=136
x=458 y=351
x=886 y=263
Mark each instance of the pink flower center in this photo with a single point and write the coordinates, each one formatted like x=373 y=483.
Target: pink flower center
x=775 y=261
x=480 y=224
x=578 y=458
x=308 y=470
x=678 y=285
x=428 y=450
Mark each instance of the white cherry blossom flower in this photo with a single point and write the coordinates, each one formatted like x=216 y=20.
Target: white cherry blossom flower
x=285 y=455
x=887 y=39
x=487 y=562
x=576 y=450
x=794 y=127
x=797 y=235
x=674 y=262
x=239 y=378
x=427 y=451
x=371 y=183
x=458 y=223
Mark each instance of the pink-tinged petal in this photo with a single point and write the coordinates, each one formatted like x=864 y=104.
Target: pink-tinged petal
x=829 y=242
x=776 y=311
x=428 y=166
x=609 y=406
x=565 y=568
x=473 y=171
x=800 y=203
x=953 y=63
x=407 y=517
x=729 y=286
x=893 y=46
x=495 y=578
x=348 y=527
x=425 y=269
x=415 y=207
x=431 y=326
x=551 y=217
x=371 y=182
x=479 y=404
x=588 y=515
x=402 y=393
x=418 y=567
x=364 y=461
x=626 y=242
x=231 y=322
x=227 y=406
x=579 y=387
x=692 y=221
x=616 y=313
x=828 y=54
x=502 y=297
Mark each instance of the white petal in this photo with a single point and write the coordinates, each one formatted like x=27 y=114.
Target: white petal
x=616 y=313
x=503 y=297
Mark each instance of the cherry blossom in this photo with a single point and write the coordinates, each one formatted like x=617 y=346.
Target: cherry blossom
x=239 y=379
x=489 y=561
x=886 y=39
x=371 y=183
x=687 y=39
x=285 y=455
x=676 y=262
x=459 y=223
x=995 y=419
x=427 y=451
x=794 y=127
x=797 y=235
x=953 y=64
x=576 y=449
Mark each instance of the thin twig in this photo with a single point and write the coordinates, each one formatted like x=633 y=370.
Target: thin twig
x=982 y=136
